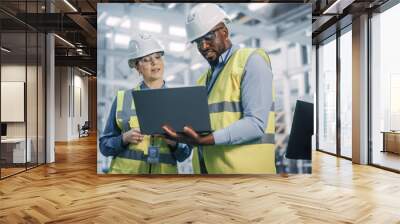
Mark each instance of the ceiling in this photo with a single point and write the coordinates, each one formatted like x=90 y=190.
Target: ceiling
x=73 y=21
x=331 y=15
x=76 y=22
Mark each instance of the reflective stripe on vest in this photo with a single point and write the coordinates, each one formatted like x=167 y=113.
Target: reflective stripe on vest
x=230 y=107
x=225 y=108
x=139 y=155
x=236 y=107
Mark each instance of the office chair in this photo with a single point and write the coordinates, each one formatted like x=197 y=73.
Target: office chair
x=84 y=130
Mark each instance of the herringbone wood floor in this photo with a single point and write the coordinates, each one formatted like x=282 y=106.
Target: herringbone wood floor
x=70 y=191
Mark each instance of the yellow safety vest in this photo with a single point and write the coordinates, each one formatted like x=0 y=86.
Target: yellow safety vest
x=133 y=159
x=224 y=103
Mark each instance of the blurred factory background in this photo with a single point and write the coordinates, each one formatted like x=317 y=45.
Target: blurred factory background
x=282 y=29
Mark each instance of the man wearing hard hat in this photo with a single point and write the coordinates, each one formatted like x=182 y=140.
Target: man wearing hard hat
x=134 y=153
x=240 y=99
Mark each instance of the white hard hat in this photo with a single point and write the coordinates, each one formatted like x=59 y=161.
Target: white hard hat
x=142 y=45
x=202 y=18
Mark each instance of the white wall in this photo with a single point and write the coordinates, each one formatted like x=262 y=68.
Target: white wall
x=80 y=100
x=71 y=87
x=61 y=103
x=33 y=126
x=16 y=73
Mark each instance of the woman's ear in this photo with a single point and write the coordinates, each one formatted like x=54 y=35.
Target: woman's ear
x=136 y=66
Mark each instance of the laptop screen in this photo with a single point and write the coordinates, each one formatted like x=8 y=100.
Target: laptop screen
x=176 y=107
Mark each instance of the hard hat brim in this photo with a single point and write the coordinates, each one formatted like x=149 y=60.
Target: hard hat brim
x=225 y=21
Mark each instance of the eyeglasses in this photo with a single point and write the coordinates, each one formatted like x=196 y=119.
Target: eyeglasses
x=151 y=58
x=208 y=37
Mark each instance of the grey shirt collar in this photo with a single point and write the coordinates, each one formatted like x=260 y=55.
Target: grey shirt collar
x=144 y=86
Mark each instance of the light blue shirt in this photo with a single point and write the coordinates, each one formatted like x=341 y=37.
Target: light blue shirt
x=256 y=99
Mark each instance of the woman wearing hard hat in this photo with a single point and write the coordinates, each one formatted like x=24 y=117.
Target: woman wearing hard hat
x=134 y=153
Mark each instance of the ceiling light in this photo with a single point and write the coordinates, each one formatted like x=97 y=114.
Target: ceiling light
x=241 y=45
x=172 y=5
x=65 y=41
x=176 y=47
x=84 y=71
x=335 y=8
x=112 y=21
x=122 y=40
x=5 y=49
x=177 y=31
x=70 y=5
x=101 y=17
x=256 y=6
x=195 y=66
x=149 y=26
x=109 y=35
x=170 y=78
x=126 y=24
x=232 y=16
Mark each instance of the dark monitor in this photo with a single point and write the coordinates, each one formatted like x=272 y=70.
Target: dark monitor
x=3 y=129
x=299 y=145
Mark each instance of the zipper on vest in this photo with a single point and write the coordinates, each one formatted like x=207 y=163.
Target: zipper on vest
x=151 y=143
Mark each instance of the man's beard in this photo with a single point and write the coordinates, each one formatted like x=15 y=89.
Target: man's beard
x=214 y=63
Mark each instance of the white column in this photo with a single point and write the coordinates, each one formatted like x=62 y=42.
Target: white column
x=50 y=92
x=360 y=90
x=50 y=101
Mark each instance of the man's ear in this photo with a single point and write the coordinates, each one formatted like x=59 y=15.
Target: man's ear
x=225 y=31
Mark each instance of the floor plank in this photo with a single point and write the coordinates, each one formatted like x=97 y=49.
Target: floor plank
x=70 y=191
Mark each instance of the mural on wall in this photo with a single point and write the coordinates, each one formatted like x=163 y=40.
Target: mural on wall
x=249 y=64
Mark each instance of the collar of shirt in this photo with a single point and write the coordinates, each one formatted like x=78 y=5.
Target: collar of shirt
x=144 y=86
x=223 y=58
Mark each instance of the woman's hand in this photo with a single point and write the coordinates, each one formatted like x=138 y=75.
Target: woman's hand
x=132 y=136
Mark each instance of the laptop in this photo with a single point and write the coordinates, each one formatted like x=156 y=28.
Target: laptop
x=176 y=107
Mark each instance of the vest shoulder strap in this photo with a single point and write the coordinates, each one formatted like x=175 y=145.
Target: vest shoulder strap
x=238 y=61
x=243 y=54
x=124 y=109
x=203 y=78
